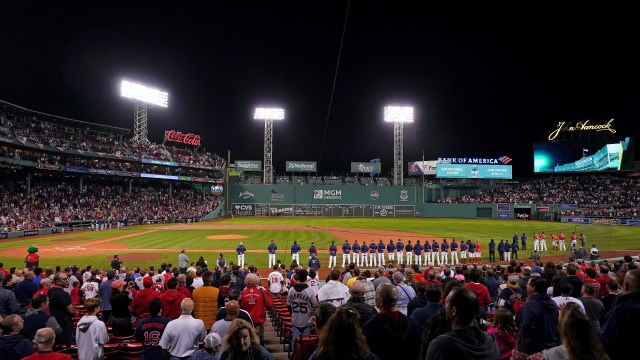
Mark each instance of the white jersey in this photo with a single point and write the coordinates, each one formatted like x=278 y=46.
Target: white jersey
x=334 y=292
x=90 y=289
x=314 y=284
x=275 y=282
x=561 y=301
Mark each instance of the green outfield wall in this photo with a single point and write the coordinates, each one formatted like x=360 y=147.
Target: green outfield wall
x=349 y=201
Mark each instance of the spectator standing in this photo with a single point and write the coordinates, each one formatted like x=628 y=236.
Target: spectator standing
x=183 y=262
x=433 y=294
x=221 y=326
x=149 y=331
x=12 y=344
x=504 y=329
x=256 y=302
x=212 y=344
x=105 y=295
x=357 y=302
x=140 y=305
x=390 y=326
x=619 y=330
x=182 y=336
x=276 y=281
x=314 y=263
x=8 y=302
x=25 y=290
x=43 y=340
x=334 y=292
x=305 y=350
x=120 y=315
x=240 y=250
x=61 y=307
x=91 y=334
x=465 y=340
x=301 y=301
x=221 y=263
x=341 y=338
x=171 y=300
x=481 y=291
x=610 y=298
x=538 y=319
x=90 y=288
x=205 y=300
x=405 y=292
x=593 y=307
x=38 y=318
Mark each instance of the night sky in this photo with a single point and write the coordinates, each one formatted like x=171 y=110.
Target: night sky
x=486 y=78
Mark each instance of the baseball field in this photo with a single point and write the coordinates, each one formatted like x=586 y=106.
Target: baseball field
x=154 y=244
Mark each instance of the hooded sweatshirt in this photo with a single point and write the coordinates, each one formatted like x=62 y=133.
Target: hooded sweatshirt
x=171 y=300
x=467 y=343
x=539 y=323
x=15 y=347
x=36 y=319
x=392 y=328
x=140 y=305
x=91 y=335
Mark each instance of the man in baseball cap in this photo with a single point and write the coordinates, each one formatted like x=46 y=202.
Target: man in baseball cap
x=140 y=305
x=212 y=344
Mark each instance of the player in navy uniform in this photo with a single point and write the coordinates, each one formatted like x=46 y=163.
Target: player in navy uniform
x=417 y=252
x=507 y=251
x=312 y=250
x=435 y=247
x=444 y=250
x=380 y=253
x=295 y=252
x=391 y=249
x=373 y=250
x=492 y=251
x=472 y=251
x=272 y=253
x=346 y=252
x=463 y=252
x=333 y=249
x=409 y=249
x=240 y=250
x=523 y=239
x=356 y=252
x=400 y=251
x=364 y=249
x=501 y=250
x=454 y=252
x=514 y=250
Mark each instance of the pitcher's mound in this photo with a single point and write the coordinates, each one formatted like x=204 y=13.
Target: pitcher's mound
x=226 y=237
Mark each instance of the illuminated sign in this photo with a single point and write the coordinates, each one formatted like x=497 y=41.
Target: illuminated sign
x=184 y=138
x=464 y=160
x=301 y=166
x=466 y=171
x=581 y=126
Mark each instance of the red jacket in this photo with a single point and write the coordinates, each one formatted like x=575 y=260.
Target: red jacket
x=171 y=300
x=140 y=305
x=255 y=302
x=186 y=292
x=481 y=291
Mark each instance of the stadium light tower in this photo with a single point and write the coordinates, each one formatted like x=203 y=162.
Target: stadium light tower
x=144 y=98
x=268 y=115
x=398 y=115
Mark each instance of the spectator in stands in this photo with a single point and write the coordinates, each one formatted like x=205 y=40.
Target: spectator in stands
x=256 y=302
x=481 y=291
x=573 y=279
x=420 y=300
x=38 y=318
x=242 y=342
x=433 y=294
x=304 y=350
x=212 y=344
x=205 y=300
x=12 y=344
x=105 y=295
x=8 y=303
x=183 y=262
x=357 y=302
x=539 y=319
x=140 y=305
x=150 y=330
x=465 y=340
x=504 y=329
x=43 y=341
x=182 y=336
x=301 y=300
x=221 y=326
x=91 y=334
x=342 y=338
x=405 y=292
x=61 y=307
x=610 y=298
x=593 y=307
x=234 y=295
x=334 y=291
x=619 y=329
x=120 y=315
x=390 y=326
x=25 y=290
x=171 y=300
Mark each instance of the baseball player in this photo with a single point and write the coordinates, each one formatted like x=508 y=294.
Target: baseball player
x=364 y=251
x=562 y=238
x=478 y=251
x=454 y=252
x=333 y=250
x=240 y=250
x=295 y=252
x=444 y=251
x=272 y=253
x=409 y=249
x=523 y=239
x=356 y=252
x=536 y=242
x=400 y=250
x=346 y=252
x=554 y=242
x=435 y=247
x=574 y=240
x=373 y=250
x=507 y=251
x=312 y=250
x=391 y=249
x=380 y=253
x=463 y=252
x=543 y=242
x=417 y=252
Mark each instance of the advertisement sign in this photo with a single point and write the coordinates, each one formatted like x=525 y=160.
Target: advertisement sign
x=419 y=168
x=31 y=232
x=605 y=221
x=4 y=235
x=365 y=167
x=243 y=210
x=504 y=207
x=248 y=165
x=581 y=126
x=504 y=216
x=301 y=166
x=584 y=156
x=183 y=138
x=465 y=171
x=465 y=160
x=48 y=167
x=628 y=222
x=579 y=220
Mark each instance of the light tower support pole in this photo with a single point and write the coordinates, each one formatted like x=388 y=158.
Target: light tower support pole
x=268 y=152
x=141 y=132
x=398 y=137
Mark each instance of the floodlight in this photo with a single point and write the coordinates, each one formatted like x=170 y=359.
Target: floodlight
x=268 y=114
x=398 y=114
x=144 y=93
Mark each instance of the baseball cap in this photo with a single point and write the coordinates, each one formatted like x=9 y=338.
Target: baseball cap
x=116 y=284
x=147 y=281
x=212 y=340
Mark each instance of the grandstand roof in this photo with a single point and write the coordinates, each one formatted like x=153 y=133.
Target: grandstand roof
x=7 y=106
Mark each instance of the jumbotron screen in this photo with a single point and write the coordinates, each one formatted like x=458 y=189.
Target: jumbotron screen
x=599 y=155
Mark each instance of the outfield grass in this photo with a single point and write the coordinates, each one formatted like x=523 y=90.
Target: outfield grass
x=167 y=243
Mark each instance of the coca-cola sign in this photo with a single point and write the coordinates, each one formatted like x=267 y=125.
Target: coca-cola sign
x=179 y=136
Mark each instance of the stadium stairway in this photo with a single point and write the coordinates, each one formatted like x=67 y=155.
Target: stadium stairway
x=272 y=342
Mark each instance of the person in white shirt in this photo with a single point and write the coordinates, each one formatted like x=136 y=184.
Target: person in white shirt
x=565 y=297
x=182 y=336
x=334 y=292
x=90 y=288
x=276 y=281
x=91 y=334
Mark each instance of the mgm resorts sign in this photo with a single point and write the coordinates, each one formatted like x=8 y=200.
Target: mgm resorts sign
x=328 y=194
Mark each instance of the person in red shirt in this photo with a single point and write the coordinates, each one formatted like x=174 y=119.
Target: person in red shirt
x=182 y=285
x=603 y=279
x=481 y=291
x=43 y=341
x=140 y=305
x=171 y=300
x=76 y=294
x=256 y=302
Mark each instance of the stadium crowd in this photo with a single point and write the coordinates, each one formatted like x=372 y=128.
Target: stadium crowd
x=599 y=195
x=197 y=310
x=31 y=129
x=53 y=201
